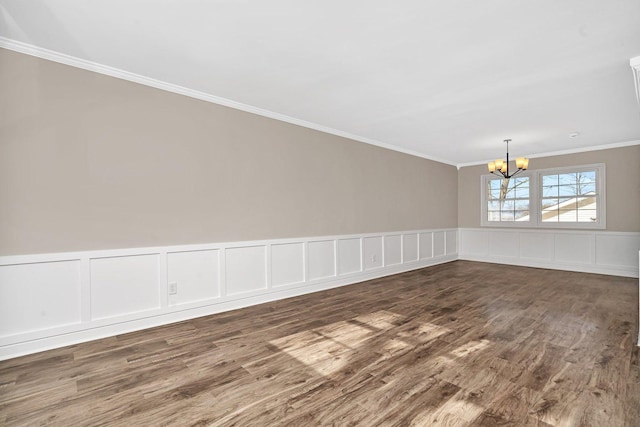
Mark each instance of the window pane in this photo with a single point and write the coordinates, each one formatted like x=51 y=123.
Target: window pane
x=494 y=184
x=522 y=205
x=493 y=216
x=508 y=205
x=493 y=205
x=587 y=177
x=566 y=202
x=494 y=194
x=567 y=178
x=550 y=217
x=550 y=191
x=567 y=190
x=508 y=190
x=548 y=203
x=587 y=188
x=549 y=180
x=522 y=192
x=506 y=215
x=522 y=215
x=587 y=215
x=496 y=189
x=522 y=182
x=490 y=190
x=586 y=202
x=568 y=215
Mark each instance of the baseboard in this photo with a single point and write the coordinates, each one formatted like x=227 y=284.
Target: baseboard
x=608 y=270
x=54 y=300
x=600 y=252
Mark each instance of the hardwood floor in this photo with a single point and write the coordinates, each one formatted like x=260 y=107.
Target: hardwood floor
x=457 y=344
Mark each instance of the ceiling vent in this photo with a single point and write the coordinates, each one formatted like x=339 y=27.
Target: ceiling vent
x=635 y=64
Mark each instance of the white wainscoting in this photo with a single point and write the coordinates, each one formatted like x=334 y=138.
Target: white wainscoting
x=601 y=252
x=53 y=300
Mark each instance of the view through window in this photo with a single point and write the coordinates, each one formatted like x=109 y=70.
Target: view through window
x=562 y=197
x=508 y=199
x=569 y=197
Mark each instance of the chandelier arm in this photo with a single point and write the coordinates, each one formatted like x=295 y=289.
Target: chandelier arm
x=507 y=176
x=517 y=172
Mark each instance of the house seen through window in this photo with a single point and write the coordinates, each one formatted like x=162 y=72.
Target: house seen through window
x=569 y=197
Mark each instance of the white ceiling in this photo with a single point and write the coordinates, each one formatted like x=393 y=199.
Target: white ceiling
x=447 y=80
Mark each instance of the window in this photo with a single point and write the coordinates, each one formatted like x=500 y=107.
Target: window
x=566 y=198
x=569 y=197
x=508 y=199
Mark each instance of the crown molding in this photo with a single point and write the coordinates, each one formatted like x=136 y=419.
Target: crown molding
x=562 y=152
x=95 y=67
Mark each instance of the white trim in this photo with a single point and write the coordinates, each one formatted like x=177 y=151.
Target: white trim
x=95 y=67
x=610 y=271
x=475 y=246
x=70 y=335
x=149 y=250
x=562 y=152
x=607 y=253
x=21 y=337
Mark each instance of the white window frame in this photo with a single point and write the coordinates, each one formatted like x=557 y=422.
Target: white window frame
x=535 y=199
x=484 y=182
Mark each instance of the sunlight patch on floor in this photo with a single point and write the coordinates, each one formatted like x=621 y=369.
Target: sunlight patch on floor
x=393 y=347
x=326 y=349
x=470 y=347
x=439 y=363
x=424 y=333
x=382 y=320
x=323 y=355
x=454 y=412
x=346 y=333
x=329 y=348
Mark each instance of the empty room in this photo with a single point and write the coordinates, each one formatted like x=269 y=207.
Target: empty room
x=290 y=213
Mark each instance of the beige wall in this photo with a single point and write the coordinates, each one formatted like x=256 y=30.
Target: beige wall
x=92 y=162
x=622 y=179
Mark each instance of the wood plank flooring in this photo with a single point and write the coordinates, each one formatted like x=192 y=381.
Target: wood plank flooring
x=458 y=344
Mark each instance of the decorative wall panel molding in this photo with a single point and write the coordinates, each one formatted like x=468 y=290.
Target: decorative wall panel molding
x=39 y=296
x=53 y=300
x=393 y=249
x=601 y=252
x=197 y=272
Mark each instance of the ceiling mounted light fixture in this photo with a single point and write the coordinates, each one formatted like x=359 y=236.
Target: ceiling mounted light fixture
x=501 y=167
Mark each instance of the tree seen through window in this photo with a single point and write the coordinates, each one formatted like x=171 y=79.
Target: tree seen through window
x=508 y=199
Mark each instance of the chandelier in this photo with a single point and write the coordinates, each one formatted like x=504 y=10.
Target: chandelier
x=501 y=167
